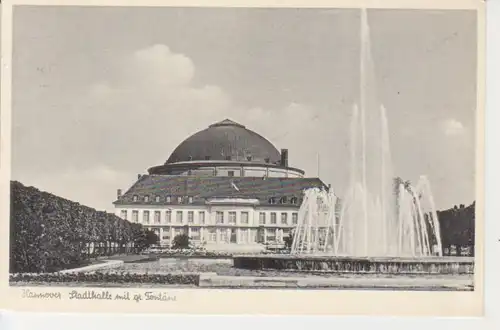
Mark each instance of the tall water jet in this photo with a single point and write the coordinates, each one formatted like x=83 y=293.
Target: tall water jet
x=380 y=215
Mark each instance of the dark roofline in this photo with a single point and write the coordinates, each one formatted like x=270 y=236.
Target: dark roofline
x=147 y=185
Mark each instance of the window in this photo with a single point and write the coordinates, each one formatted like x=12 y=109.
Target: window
x=262 y=218
x=179 y=217
x=244 y=218
x=283 y=200
x=230 y=173
x=145 y=217
x=157 y=216
x=124 y=214
x=212 y=235
x=168 y=216
x=232 y=218
x=271 y=235
x=272 y=200
x=293 y=200
x=135 y=216
x=177 y=231
x=157 y=199
x=249 y=158
x=201 y=218
x=190 y=216
x=190 y=199
x=224 y=237
x=169 y=199
x=179 y=199
x=146 y=199
x=284 y=218
x=244 y=236
x=295 y=218
x=273 y=218
x=266 y=160
x=195 y=233
x=135 y=198
x=219 y=216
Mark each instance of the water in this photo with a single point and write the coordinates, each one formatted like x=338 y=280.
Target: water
x=381 y=215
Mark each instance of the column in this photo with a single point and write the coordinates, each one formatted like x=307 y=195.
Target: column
x=276 y=235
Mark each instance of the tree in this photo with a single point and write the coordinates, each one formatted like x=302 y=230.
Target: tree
x=181 y=242
x=151 y=238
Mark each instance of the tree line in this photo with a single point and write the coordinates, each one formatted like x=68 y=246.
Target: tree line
x=457 y=226
x=49 y=233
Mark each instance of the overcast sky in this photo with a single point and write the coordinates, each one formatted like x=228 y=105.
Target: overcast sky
x=102 y=94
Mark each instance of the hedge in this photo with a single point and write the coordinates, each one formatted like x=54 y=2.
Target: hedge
x=108 y=277
x=49 y=233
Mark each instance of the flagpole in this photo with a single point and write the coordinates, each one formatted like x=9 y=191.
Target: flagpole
x=317 y=155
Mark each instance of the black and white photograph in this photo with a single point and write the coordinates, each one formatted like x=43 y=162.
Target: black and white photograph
x=225 y=148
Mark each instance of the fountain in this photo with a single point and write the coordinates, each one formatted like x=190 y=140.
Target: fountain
x=384 y=225
x=380 y=216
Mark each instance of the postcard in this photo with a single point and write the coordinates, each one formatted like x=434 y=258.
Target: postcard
x=232 y=158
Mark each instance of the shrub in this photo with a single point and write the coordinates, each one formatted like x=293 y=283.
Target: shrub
x=108 y=277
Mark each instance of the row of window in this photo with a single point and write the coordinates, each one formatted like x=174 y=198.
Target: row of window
x=180 y=199
x=244 y=235
x=168 y=199
x=219 y=216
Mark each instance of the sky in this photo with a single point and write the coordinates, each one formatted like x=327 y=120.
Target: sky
x=102 y=94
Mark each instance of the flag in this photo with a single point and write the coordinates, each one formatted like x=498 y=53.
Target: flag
x=234 y=186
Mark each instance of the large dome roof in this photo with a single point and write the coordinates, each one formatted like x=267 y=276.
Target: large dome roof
x=225 y=140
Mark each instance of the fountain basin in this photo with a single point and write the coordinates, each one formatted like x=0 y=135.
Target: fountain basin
x=358 y=265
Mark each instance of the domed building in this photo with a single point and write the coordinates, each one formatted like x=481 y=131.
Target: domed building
x=226 y=186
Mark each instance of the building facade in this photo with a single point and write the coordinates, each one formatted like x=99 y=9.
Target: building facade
x=223 y=186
